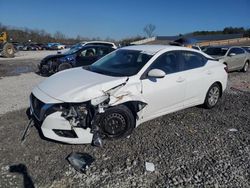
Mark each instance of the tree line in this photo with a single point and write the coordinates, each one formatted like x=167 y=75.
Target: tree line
x=226 y=30
x=25 y=35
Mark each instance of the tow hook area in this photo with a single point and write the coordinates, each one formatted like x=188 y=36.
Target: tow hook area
x=29 y=125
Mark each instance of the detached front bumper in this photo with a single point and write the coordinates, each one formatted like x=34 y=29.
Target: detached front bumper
x=56 y=127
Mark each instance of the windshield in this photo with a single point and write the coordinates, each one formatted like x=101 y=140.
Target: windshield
x=216 y=51
x=72 y=50
x=121 y=63
x=247 y=49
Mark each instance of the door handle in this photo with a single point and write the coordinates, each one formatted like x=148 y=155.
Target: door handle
x=180 y=79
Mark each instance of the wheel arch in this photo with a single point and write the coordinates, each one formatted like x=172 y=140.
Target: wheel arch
x=134 y=107
x=220 y=85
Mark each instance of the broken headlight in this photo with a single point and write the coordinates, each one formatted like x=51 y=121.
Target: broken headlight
x=77 y=115
x=99 y=100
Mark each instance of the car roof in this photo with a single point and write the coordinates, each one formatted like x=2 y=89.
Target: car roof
x=153 y=49
x=94 y=46
x=156 y=48
x=104 y=42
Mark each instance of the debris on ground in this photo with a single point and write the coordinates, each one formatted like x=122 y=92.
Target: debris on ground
x=232 y=130
x=80 y=161
x=150 y=166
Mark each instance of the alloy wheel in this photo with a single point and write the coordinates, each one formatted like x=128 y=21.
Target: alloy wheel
x=213 y=96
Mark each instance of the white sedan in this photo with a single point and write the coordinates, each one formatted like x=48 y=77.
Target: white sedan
x=129 y=86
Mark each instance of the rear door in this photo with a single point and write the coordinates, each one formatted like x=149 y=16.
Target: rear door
x=234 y=61
x=196 y=77
x=242 y=58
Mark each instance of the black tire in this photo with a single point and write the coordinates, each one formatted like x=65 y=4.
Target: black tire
x=245 y=68
x=212 y=96
x=8 y=50
x=64 y=66
x=117 y=122
x=44 y=70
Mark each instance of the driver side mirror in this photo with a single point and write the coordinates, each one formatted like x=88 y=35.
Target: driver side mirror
x=232 y=54
x=156 y=73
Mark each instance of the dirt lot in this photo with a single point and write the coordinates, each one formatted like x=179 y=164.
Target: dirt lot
x=191 y=148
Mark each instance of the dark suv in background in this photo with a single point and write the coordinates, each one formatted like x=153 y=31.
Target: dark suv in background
x=75 y=57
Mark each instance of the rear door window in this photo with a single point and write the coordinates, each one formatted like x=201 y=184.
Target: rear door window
x=193 y=60
x=103 y=51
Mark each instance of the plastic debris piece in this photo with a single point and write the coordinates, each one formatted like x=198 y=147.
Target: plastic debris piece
x=97 y=141
x=80 y=161
x=27 y=130
x=150 y=167
x=233 y=130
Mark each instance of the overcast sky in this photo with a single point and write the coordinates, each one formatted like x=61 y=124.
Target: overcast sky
x=124 y=18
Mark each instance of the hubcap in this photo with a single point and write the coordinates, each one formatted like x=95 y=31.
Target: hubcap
x=213 y=96
x=10 y=51
x=114 y=124
x=246 y=67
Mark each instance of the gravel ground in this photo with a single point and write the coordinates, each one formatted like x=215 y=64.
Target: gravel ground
x=15 y=96
x=193 y=147
x=190 y=148
x=37 y=55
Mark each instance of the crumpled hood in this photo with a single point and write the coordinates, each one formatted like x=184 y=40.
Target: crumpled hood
x=78 y=85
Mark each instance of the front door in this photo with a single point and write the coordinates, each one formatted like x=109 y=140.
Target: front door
x=164 y=95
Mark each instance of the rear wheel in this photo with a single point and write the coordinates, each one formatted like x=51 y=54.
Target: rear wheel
x=245 y=68
x=213 y=95
x=117 y=122
x=64 y=66
x=8 y=50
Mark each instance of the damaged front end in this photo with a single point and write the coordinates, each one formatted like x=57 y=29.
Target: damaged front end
x=79 y=123
x=85 y=116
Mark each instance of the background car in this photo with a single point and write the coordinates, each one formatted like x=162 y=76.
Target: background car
x=58 y=46
x=236 y=58
x=31 y=47
x=125 y=88
x=18 y=46
x=42 y=46
x=247 y=48
x=50 y=44
x=75 y=57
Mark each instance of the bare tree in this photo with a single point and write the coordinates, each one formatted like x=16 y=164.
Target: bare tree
x=59 y=35
x=149 y=30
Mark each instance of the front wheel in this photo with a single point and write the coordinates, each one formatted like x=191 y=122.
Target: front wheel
x=245 y=68
x=117 y=122
x=213 y=95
